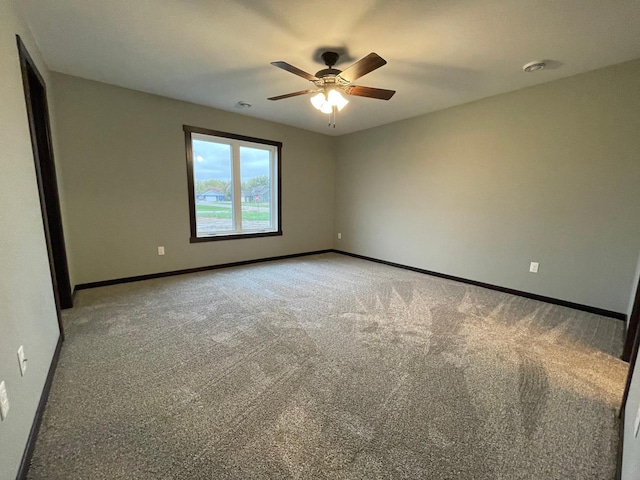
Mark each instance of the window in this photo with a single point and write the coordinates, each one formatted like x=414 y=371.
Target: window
x=234 y=185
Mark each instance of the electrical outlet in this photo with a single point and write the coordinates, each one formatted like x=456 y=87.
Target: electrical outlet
x=22 y=361
x=4 y=401
x=533 y=268
x=339 y=236
x=160 y=250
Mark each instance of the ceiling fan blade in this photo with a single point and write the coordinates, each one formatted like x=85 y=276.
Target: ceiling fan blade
x=295 y=70
x=369 y=92
x=363 y=66
x=288 y=95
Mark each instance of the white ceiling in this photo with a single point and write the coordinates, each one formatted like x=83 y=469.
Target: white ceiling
x=440 y=53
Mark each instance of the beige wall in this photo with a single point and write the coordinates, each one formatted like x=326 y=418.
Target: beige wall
x=548 y=174
x=27 y=308
x=122 y=158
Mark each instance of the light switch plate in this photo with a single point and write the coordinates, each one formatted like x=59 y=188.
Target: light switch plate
x=160 y=250
x=22 y=361
x=4 y=402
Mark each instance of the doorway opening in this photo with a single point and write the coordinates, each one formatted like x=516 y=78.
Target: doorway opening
x=38 y=114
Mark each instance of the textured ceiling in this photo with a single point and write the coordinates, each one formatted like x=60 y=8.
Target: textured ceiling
x=440 y=53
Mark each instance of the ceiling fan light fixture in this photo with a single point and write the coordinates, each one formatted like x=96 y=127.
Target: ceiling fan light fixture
x=318 y=100
x=337 y=100
x=326 y=102
x=326 y=108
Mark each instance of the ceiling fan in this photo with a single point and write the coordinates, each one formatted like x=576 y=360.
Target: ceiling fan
x=330 y=82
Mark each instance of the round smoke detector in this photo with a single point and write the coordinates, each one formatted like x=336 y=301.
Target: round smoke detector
x=534 y=66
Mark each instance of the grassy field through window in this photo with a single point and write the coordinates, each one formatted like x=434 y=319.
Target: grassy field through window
x=222 y=210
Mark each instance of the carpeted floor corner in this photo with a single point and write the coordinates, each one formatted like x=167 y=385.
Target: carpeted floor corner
x=329 y=367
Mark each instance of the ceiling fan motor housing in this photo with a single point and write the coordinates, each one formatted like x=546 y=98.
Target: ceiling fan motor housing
x=330 y=58
x=328 y=72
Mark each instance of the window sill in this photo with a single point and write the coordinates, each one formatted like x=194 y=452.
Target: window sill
x=234 y=236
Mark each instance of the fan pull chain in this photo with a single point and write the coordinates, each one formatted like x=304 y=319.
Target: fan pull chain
x=332 y=117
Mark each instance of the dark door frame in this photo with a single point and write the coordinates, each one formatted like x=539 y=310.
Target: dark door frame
x=35 y=93
x=634 y=321
x=632 y=344
x=629 y=354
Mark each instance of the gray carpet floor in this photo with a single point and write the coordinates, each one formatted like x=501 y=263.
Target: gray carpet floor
x=329 y=367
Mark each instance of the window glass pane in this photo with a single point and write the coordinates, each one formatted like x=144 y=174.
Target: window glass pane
x=213 y=186
x=255 y=173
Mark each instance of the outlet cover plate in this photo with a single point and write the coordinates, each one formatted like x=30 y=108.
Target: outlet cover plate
x=533 y=267
x=4 y=401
